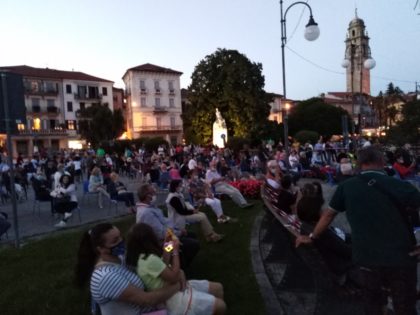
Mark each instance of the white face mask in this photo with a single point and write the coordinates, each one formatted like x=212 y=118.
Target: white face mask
x=153 y=200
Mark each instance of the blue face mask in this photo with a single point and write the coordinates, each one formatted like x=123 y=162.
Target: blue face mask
x=118 y=250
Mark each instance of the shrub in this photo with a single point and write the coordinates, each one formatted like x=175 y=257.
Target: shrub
x=304 y=136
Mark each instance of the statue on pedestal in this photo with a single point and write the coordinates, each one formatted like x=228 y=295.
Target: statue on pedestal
x=219 y=130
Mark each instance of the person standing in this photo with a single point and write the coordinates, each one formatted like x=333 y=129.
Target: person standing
x=382 y=238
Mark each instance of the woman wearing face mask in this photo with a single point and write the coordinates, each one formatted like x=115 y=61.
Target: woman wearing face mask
x=181 y=213
x=113 y=287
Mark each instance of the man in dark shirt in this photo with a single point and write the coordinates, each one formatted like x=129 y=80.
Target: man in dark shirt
x=382 y=242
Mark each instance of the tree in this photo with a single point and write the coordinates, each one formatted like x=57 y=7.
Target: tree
x=315 y=115
x=408 y=129
x=229 y=81
x=385 y=105
x=97 y=123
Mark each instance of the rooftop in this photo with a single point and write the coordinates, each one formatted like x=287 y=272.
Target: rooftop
x=47 y=73
x=148 y=67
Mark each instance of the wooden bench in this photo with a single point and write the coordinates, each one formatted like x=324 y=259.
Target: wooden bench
x=301 y=263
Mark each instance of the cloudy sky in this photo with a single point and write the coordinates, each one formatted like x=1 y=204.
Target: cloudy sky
x=104 y=38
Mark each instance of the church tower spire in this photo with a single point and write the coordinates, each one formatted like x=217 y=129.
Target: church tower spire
x=358 y=60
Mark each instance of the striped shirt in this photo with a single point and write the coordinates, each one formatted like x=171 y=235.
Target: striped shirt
x=108 y=282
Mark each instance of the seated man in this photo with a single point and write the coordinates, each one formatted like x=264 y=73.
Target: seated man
x=220 y=186
x=153 y=216
x=118 y=191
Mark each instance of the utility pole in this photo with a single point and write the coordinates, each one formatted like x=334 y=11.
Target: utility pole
x=10 y=157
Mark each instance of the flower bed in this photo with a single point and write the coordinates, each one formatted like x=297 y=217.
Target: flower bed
x=250 y=188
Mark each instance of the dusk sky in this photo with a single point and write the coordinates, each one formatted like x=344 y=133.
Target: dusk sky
x=105 y=38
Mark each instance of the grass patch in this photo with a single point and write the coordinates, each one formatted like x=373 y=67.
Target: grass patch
x=37 y=279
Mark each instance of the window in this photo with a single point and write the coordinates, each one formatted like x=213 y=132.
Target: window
x=37 y=124
x=171 y=86
x=21 y=126
x=171 y=102
x=143 y=102
x=70 y=125
x=52 y=124
x=157 y=102
x=142 y=85
x=172 y=122
x=82 y=106
x=50 y=87
x=35 y=102
x=68 y=88
x=104 y=91
x=69 y=106
x=157 y=85
x=158 y=122
x=81 y=91
x=50 y=103
x=34 y=86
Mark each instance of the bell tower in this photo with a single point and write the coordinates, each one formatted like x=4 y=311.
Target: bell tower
x=358 y=61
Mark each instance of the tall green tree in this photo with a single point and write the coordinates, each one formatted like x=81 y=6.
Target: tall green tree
x=97 y=123
x=408 y=129
x=315 y=115
x=229 y=81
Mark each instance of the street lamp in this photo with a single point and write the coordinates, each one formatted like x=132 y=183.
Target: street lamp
x=286 y=127
x=311 y=34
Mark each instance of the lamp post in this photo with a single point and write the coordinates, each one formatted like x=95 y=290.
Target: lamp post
x=286 y=127
x=311 y=34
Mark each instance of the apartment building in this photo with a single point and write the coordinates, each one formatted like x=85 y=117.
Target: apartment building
x=52 y=100
x=153 y=102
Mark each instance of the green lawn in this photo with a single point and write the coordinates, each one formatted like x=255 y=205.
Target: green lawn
x=37 y=279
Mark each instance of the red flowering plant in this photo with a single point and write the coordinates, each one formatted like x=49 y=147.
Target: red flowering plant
x=250 y=188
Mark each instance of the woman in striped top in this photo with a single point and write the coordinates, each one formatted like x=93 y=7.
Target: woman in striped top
x=115 y=288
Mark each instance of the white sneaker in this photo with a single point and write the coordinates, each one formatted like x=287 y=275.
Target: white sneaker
x=67 y=215
x=61 y=224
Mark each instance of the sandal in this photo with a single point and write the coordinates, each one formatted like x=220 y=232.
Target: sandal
x=223 y=219
x=214 y=237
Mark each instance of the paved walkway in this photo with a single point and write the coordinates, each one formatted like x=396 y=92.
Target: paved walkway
x=32 y=223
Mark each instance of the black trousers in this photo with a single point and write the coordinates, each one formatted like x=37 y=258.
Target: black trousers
x=189 y=248
x=127 y=197
x=401 y=283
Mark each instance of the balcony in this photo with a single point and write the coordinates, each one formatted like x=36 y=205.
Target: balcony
x=158 y=92
x=42 y=92
x=143 y=91
x=160 y=128
x=171 y=92
x=42 y=132
x=53 y=110
x=85 y=97
x=35 y=109
x=160 y=110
